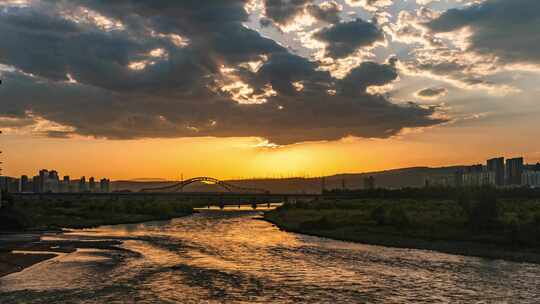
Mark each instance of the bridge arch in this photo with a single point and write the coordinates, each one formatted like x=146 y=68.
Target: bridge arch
x=204 y=179
x=177 y=187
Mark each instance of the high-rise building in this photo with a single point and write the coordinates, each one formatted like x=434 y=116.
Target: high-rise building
x=53 y=182
x=105 y=185
x=496 y=165
x=531 y=178
x=43 y=177
x=4 y=183
x=65 y=185
x=514 y=170
x=25 y=184
x=36 y=182
x=9 y=184
x=82 y=184
x=53 y=174
x=476 y=176
x=92 y=184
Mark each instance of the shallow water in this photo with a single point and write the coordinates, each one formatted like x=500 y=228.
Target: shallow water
x=216 y=257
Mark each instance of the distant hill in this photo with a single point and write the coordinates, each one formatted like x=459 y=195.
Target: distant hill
x=147 y=179
x=396 y=178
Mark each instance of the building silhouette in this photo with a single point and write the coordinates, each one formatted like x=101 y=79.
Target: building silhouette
x=65 y=186
x=478 y=175
x=105 y=185
x=92 y=184
x=42 y=179
x=496 y=165
x=25 y=185
x=514 y=170
x=82 y=184
x=9 y=184
x=48 y=181
x=531 y=178
x=36 y=182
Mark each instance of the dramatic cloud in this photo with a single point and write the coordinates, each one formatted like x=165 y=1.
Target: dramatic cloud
x=326 y=11
x=343 y=39
x=503 y=28
x=370 y=5
x=366 y=75
x=432 y=93
x=134 y=69
x=445 y=56
x=284 y=11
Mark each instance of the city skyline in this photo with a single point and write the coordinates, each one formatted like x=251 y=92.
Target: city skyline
x=306 y=88
x=50 y=181
x=182 y=176
x=496 y=172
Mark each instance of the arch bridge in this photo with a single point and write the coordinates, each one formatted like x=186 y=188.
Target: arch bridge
x=178 y=187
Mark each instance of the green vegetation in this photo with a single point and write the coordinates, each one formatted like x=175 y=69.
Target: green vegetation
x=466 y=225
x=50 y=214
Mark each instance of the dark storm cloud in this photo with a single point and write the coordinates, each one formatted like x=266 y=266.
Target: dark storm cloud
x=284 y=11
x=505 y=28
x=180 y=93
x=283 y=69
x=15 y=122
x=54 y=48
x=343 y=39
x=327 y=12
x=367 y=74
x=432 y=92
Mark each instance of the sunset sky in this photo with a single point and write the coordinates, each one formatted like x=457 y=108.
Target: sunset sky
x=265 y=88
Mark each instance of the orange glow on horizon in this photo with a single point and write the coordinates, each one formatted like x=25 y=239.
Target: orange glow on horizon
x=235 y=158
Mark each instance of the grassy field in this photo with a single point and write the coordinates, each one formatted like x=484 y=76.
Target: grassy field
x=483 y=226
x=44 y=215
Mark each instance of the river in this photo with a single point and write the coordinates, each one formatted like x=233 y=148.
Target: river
x=232 y=257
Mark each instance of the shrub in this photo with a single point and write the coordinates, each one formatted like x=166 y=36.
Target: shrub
x=512 y=231
x=321 y=224
x=464 y=203
x=398 y=217
x=484 y=214
x=379 y=215
x=13 y=220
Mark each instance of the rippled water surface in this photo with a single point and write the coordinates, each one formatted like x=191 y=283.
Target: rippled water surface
x=229 y=257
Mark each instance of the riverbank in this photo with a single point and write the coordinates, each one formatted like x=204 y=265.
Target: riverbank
x=20 y=251
x=55 y=214
x=15 y=262
x=436 y=225
x=23 y=223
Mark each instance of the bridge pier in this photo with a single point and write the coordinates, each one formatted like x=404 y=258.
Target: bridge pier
x=221 y=203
